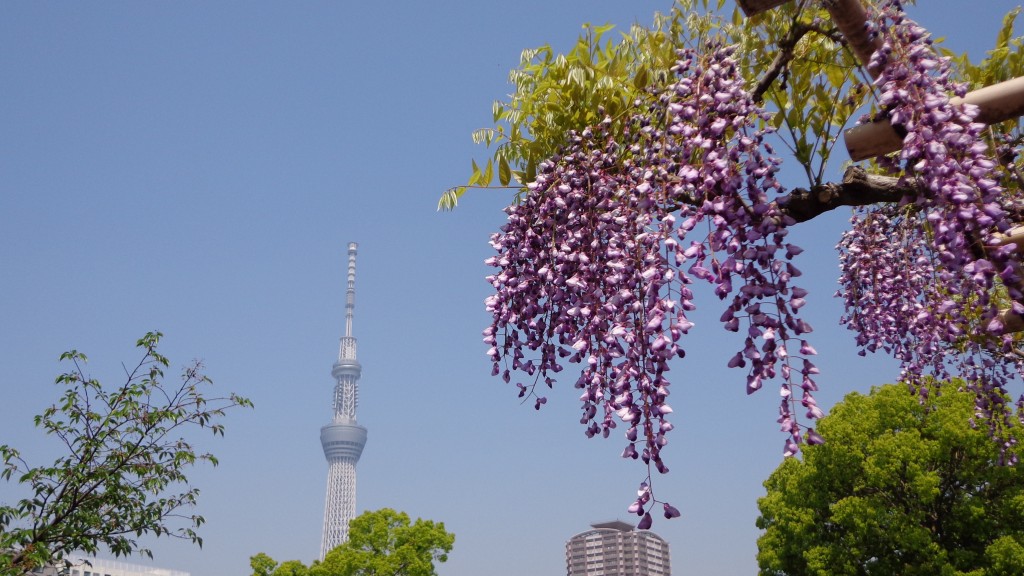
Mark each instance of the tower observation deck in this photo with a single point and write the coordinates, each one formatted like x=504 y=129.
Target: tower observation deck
x=343 y=439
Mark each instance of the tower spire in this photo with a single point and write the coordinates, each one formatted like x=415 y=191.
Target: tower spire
x=343 y=439
x=350 y=292
x=347 y=349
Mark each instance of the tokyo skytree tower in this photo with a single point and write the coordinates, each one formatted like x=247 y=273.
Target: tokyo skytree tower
x=343 y=439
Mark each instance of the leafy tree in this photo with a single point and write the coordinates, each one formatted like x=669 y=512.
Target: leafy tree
x=291 y=568
x=648 y=167
x=386 y=542
x=898 y=487
x=262 y=564
x=124 y=474
x=380 y=543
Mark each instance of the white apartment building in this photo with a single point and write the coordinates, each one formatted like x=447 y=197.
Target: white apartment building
x=100 y=567
x=617 y=549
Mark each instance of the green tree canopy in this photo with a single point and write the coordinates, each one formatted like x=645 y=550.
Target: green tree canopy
x=124 y=474
x=291 y=568
x=386 y=542
x=262 y=564
x=898 y=487
x=380 y=543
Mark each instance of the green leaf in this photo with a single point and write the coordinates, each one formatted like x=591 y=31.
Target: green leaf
x=1006 y=32
x=600 y=30
x=488 y=175
x=641 y=78
x=504 y=172
x=474 y=179
x=450 y=199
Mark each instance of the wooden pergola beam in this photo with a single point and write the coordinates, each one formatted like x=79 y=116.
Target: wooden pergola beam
x=1013 y=236
x=851 y=19
x=996 y=103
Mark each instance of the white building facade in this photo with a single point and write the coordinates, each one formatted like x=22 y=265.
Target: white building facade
x=617 y=549
x=100 y=567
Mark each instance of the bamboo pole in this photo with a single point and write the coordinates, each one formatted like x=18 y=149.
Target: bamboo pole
x=1012 y=323
x=871 y=140
x=996 y=103
x=1013 y=236
x=851 y=19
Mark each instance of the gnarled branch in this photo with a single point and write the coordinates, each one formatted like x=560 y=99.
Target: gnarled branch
x=858 y=188
x=787 y=47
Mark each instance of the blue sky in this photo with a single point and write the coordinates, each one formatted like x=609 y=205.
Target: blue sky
x=199 y=168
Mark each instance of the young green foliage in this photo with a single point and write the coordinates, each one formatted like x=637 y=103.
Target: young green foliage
x=813 y=85
x=262 y=564
x=898 y=487
x=807 y=77
x=555 y=93
x=124 y=474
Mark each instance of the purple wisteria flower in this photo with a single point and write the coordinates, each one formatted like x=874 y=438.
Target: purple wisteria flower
x=919 y=279
x=595 y=266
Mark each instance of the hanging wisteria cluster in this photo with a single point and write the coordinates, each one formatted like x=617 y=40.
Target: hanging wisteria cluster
x=918 y=279
x=595 y=265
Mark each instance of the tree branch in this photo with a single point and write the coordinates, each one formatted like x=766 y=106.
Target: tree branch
x=782 y=58
x=858 y=188
x=786 y=47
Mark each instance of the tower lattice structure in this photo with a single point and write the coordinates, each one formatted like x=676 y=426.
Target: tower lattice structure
x=343 y=439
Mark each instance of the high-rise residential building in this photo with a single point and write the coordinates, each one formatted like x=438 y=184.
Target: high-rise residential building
x=617 y=549
x=343 y=439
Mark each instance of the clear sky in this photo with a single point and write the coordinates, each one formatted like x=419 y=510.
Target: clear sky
x=199 y=168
